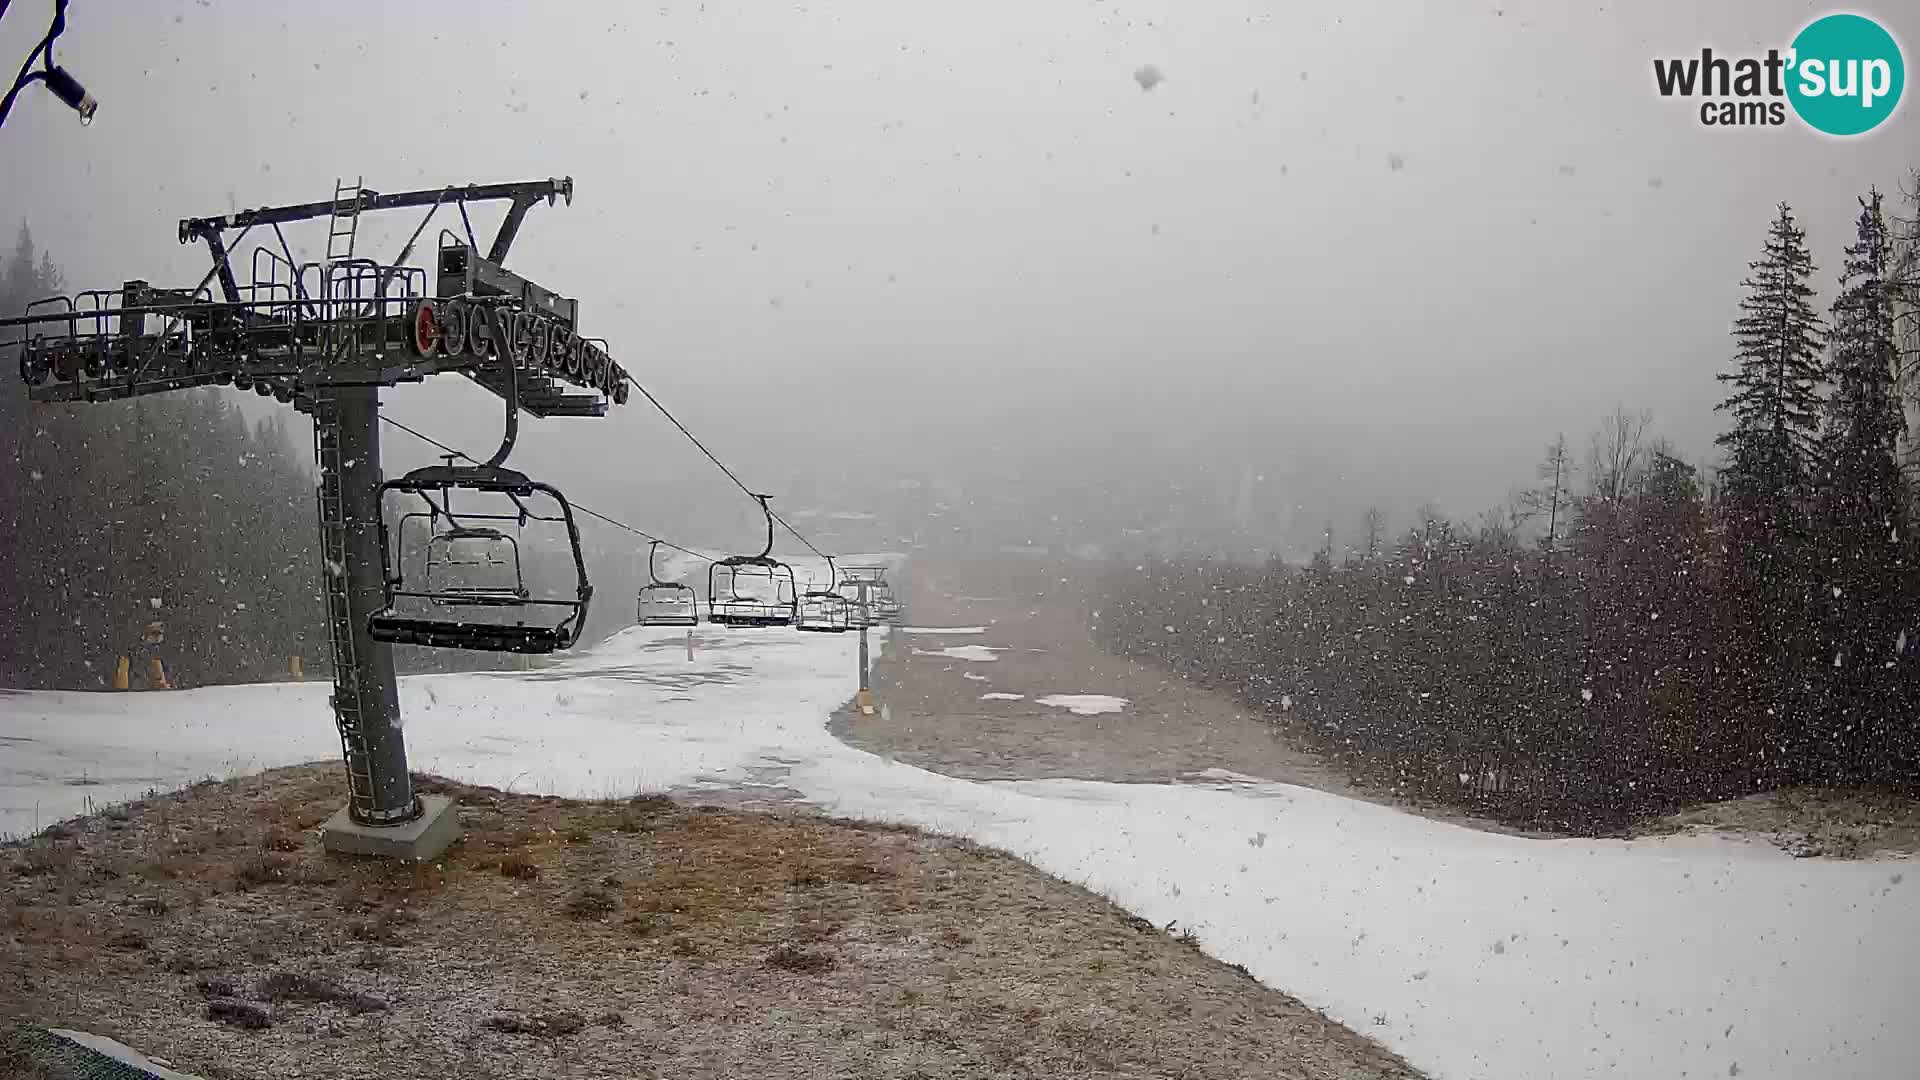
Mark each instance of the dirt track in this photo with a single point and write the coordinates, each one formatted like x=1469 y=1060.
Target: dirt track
x=1036 y=620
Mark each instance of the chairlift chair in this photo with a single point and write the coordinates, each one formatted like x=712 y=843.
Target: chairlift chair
x=752 y=590
x=880 y=606
x=824 y=611
x=666 y=603
x=468 y=588
x=886 y=607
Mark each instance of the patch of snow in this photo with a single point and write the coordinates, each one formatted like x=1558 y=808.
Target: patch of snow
x=1227 y=776
x=1085 y=704
x=122 y=1053
x=975 y=678
x=998 y=696
x=976 y=653
x=943 y=629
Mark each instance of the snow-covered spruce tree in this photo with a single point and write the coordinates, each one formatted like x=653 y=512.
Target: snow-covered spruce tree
x=1862 y=532
x=1767 y=625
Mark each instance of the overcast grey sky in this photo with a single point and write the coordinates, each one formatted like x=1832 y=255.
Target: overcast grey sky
x=971 y=212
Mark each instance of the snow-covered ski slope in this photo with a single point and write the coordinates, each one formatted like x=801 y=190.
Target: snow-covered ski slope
x=1475 y=955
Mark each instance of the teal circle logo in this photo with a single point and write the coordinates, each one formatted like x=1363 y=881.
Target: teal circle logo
x=1846 y=74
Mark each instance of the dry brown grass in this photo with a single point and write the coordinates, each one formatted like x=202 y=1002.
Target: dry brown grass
x=705 y=943
x=257 y=870
x=722 y=867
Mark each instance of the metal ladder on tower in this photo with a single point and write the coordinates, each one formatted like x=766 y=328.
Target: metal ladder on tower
x=333 y=551
x=337 y=286
x=345 y=222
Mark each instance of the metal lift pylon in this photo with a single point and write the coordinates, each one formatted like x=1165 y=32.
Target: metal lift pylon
x=326 y=340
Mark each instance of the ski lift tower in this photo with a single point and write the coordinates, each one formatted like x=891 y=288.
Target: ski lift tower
x=325 y=336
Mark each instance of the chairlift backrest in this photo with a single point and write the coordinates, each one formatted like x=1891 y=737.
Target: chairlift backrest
x=467 y=565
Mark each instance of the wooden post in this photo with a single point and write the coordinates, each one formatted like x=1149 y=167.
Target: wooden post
x=296 y=668
x=122 y=673
x=157 y=675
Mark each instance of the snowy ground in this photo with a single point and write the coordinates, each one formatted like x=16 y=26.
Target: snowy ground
x=1475 y=955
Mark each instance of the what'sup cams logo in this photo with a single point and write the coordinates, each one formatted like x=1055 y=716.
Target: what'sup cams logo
x=1842 y=75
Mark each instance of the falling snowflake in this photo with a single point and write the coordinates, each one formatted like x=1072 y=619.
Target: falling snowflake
x=1586 y=695
x=38 y=475
x=1408 y=579
x=1148 y=77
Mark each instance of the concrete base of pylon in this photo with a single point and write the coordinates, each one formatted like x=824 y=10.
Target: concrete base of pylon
x=419 y=840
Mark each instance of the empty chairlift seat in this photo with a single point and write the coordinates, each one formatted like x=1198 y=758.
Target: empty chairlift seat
x=752 y=590
x=501 y=571
x=666 y=603
x=871 y=582
x=824 y=610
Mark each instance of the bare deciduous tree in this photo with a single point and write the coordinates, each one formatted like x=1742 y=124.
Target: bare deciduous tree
x=1618 y=452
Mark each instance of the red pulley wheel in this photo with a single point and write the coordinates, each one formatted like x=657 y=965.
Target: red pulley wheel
x=426 y=329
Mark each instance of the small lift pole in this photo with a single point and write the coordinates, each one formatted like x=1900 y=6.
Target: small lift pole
x=865 y=697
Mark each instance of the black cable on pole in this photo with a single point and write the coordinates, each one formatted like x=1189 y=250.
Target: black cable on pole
x=27 y=75
x=430 y=440
x=751 y=494
x=57 y=79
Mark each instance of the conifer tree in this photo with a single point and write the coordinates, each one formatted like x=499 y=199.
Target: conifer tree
x=1775 y=401
x=1864 y=419
x=1768 y=652
x=1862 y=503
